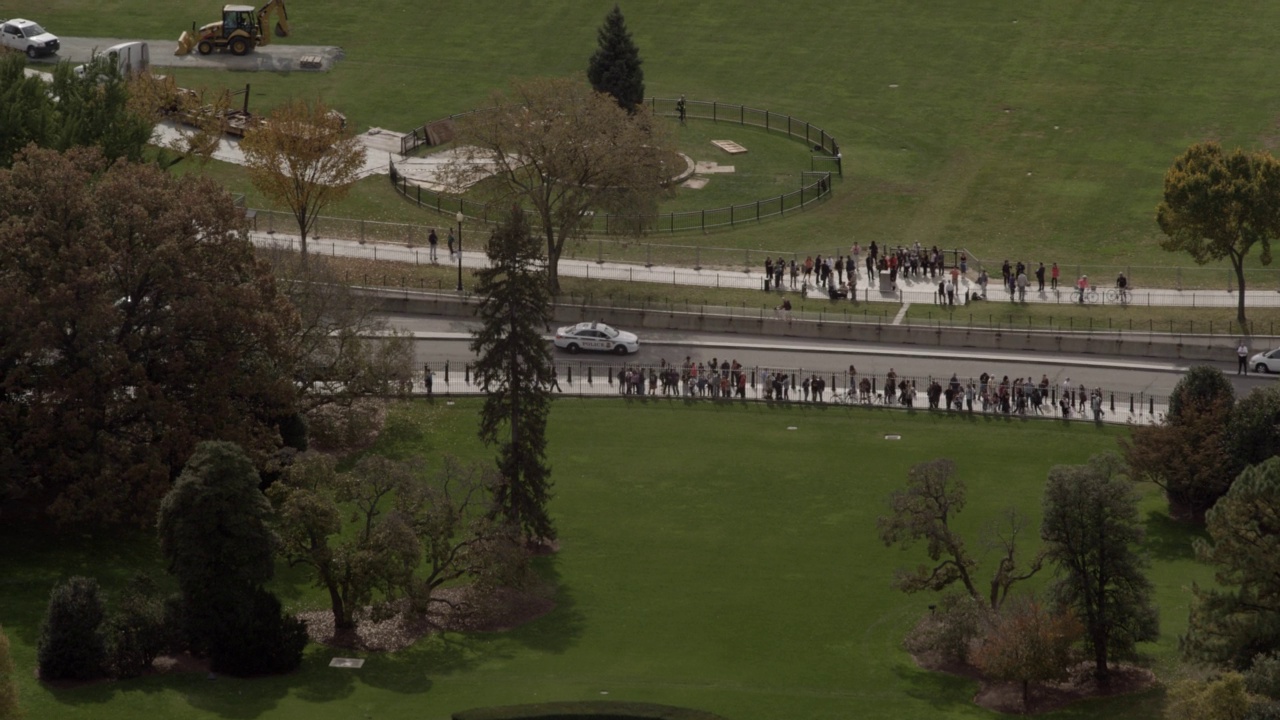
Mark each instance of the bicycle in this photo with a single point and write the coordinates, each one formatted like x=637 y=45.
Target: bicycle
x=1089 y=294
x=1118 y=295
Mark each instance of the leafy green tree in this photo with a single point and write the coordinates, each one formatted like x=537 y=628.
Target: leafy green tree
x=1219 y=205
x=1238 y=619
x=926 y=510
x=615 y=65
x=215 y=537
x=10 y=709
x=93 y=109
x=1253 y=431
x=26 y=108
x=513 y=368
x=1091 y=528
x=70 y=110
x=379 y=553
x=1028 y=643
x=71 y=645
x=136 y=630
x=565 y=152
x=137 y=322
x=1188 y=454
x=366 y=533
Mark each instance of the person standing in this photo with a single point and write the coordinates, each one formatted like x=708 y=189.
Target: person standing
x=840 y=269
x=433 y=240
x=1053 y=277
x=450 y=241
x=1242 y=354
x=1023 y=282
x=427 y=378
x=1040 y=278
x=856 y=253
x=1081 y=285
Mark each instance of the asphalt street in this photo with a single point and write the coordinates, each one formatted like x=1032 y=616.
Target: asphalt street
x=446 y=339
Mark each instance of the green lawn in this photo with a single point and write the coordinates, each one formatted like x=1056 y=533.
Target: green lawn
x=1039 y=132
x=711 y=557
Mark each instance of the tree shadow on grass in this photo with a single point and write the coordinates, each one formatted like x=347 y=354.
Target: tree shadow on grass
x=941 y=690
x=560 y=629
x=1168 y=539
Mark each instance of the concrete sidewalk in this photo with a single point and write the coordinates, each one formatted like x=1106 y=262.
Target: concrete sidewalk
x=1116 y=407
x=908 y=290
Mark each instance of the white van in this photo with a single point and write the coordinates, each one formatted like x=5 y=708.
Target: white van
x=132 y=58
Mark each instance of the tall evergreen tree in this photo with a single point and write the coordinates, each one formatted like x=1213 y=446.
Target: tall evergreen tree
x=514 y=370
x=615 y=66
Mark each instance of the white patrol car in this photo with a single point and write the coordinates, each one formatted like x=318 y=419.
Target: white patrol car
x=28 y=37
x=596 y=336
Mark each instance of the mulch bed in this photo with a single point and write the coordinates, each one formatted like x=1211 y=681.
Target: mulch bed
x=452 y=610
x=1045 y=697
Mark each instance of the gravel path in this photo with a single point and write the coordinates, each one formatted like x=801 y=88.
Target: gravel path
x=272 y=58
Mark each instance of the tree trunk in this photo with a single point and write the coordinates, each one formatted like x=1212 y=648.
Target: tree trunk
x=302 y=235
x=553 y=266
x=1100 y=670
x=1026 y=696
x=341 y=619
x=1237 y=263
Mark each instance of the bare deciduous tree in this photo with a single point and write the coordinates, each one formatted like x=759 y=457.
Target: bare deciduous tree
x=565 y=152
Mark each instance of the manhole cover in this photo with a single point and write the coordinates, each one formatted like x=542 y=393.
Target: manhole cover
x=352 y=663
x=892 y=437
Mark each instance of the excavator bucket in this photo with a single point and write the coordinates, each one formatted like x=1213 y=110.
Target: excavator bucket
x=185 y=43
x=282 y=28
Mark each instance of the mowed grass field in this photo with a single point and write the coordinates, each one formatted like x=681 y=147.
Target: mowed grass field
x=1038 y=132
x=711 y=556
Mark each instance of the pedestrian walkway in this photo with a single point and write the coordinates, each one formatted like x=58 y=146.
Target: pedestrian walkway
x=579 y=380
x=906 y=290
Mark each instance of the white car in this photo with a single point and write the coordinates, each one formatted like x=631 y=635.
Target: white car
x=28 y=37
x=1266 y=362
x=596 y=336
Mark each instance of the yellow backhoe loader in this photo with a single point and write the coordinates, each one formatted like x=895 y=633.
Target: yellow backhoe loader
x=242 y=29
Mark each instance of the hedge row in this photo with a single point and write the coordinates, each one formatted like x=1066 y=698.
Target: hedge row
x=588 y=710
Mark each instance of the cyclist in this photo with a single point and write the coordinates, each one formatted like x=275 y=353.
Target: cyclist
x=1082 y=285
x=1122 y=285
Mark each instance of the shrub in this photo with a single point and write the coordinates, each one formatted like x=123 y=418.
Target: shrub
x=1220 y=698
x=71 y=644
x=1263 y=677
x=269 y=642
x=136 y=632
x=950 y=628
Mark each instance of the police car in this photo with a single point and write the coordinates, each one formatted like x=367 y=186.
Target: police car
x=596 y=336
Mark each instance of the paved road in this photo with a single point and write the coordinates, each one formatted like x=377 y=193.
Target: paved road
x=446 y=339
x=276 y=57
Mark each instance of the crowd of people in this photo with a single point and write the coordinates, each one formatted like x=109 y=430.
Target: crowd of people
x=729 y=379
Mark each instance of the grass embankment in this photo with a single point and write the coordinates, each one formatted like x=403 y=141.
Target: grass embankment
x=736 y=570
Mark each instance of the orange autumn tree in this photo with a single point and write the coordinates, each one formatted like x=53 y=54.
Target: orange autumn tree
x=1028 y=643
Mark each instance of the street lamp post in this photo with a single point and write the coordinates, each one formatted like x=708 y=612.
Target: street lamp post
x=459 y=217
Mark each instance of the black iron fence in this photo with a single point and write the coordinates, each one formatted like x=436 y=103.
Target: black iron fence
x=815 y=184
